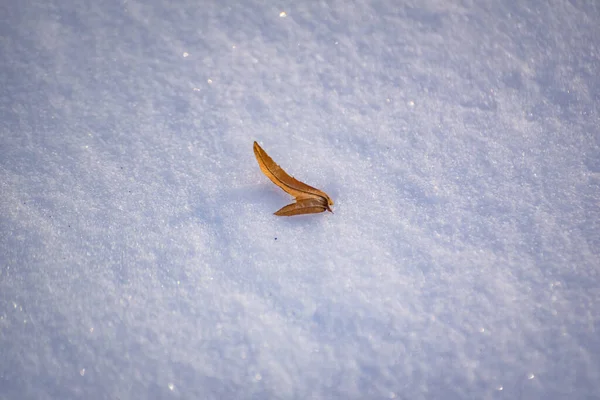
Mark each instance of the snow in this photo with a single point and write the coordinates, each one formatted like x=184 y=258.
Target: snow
x=139 y=253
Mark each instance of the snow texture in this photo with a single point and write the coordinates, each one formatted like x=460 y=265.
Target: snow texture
x=139 y=254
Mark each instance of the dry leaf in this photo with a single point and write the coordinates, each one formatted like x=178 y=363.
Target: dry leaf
x=304 y=206
x=308 y=199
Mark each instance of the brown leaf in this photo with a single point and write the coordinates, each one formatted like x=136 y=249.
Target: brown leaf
x=308 y=199
x=304 y=206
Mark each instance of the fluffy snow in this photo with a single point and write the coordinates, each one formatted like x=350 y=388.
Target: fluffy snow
x=139 y=253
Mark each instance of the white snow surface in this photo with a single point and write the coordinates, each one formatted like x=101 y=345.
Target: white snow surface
x=139 y=253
